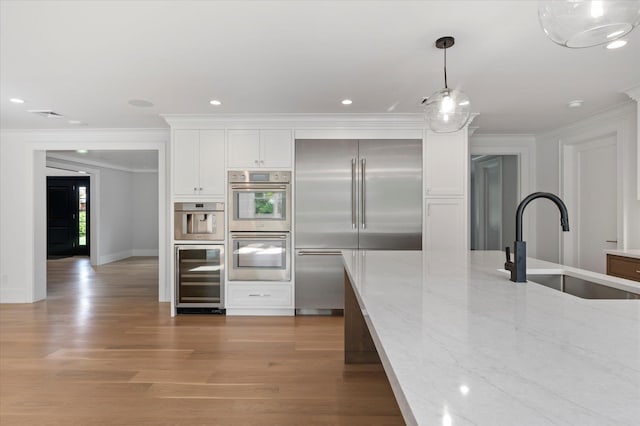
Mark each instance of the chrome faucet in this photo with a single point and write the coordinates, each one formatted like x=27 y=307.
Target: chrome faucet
x=518 y=267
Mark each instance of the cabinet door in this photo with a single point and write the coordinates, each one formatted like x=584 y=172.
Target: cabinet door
x=185 y=162
x=243 y=148
x=446 y=163
x=211 y=162
x=276 y=148
x=445 y=224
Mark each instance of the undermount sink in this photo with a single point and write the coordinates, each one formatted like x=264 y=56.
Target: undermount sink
x=580 y=287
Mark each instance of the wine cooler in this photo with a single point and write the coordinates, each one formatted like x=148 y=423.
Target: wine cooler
x=199 y=278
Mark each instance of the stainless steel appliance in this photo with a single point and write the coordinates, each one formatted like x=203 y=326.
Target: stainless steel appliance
x=260 y=256
x=351 y=194
x=199 y=221
x=199 y=276
x=259 y=201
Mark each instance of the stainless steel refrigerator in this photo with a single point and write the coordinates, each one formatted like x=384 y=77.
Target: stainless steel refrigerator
x=351 y=194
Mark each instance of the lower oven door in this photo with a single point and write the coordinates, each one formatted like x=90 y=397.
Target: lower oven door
x=260 y=256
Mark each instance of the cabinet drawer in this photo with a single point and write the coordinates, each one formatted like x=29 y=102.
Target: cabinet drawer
x=259 y=296
x=623 y=267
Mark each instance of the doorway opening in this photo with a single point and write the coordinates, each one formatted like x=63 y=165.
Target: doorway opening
x=494 y=198
x=68 y=205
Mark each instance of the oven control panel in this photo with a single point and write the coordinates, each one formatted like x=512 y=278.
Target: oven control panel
x=247 y=176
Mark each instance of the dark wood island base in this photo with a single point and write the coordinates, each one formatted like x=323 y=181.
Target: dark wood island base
x=358 y=344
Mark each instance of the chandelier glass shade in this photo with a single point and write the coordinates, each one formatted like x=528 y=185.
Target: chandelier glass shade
x=447 y=110
x=586 y=23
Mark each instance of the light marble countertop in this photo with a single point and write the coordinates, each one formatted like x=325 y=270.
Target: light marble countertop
x=463 y=345
x=625 y=252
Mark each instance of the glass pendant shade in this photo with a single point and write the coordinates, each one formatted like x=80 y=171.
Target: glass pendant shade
x=447 y=110
x=586 y=23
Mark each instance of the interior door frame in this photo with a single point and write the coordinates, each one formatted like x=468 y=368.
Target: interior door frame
x=482 y=203
x=524 y=148
x=570 y=149
x=117 y=140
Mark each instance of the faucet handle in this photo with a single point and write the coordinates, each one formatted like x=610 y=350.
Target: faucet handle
x=508 y=264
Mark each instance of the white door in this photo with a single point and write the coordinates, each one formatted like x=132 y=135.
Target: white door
x=597 y=211
x=590 y=190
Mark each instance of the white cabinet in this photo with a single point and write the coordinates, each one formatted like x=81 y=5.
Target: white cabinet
x=446 y=163
x=445 y=224
x=446 y=171
x=198 y=162
x=271 y=148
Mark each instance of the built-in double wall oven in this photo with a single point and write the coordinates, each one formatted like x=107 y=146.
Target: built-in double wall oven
x=199 y=257
x=259 y=212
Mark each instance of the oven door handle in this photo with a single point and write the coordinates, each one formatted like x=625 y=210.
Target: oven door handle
x=254 y=187
x=257 y=237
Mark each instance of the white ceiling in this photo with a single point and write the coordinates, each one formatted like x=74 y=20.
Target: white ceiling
x=87 y=59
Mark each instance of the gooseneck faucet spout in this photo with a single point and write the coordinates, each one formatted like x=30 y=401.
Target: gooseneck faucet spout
x=518 y=267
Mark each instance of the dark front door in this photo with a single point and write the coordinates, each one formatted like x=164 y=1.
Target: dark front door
x=67 y=216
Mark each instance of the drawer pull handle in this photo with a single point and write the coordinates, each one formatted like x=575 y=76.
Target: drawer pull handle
x=611 y=241
x=259 y=295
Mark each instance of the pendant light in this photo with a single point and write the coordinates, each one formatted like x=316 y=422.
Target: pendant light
x=447 y=110
x=586 y=23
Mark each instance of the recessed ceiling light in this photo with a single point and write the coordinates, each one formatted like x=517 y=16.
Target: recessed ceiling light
x=140 y=103
x=17 y=100
x=215 y=102
x=81 y=151
x=74 y=122
x=616 y=44
x=575 y=103
x=347 y=102
x=82 y=172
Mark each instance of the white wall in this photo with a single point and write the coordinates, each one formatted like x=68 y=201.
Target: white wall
x=23 y=229
x=620 y=121
x=116 y=197
x=145 y=214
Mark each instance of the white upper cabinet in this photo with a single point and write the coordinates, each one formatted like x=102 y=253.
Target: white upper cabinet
x=260 y=148
x=445 y=164
x=198 y=163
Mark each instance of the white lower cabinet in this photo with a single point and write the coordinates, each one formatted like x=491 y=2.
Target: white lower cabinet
x=259 y=298
x=445 y=224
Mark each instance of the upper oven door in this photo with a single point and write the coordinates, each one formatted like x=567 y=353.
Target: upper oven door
x=259 y=207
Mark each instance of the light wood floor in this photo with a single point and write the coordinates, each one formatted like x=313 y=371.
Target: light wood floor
x=102 y=351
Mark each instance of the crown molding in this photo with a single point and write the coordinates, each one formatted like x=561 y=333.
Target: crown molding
x=302 y=121
x=72 y=161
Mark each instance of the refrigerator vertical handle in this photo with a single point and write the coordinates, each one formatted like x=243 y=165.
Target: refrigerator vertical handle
x=353 y=193
x=363 y=197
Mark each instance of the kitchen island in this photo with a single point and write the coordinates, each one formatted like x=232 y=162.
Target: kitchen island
x=463 y=345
